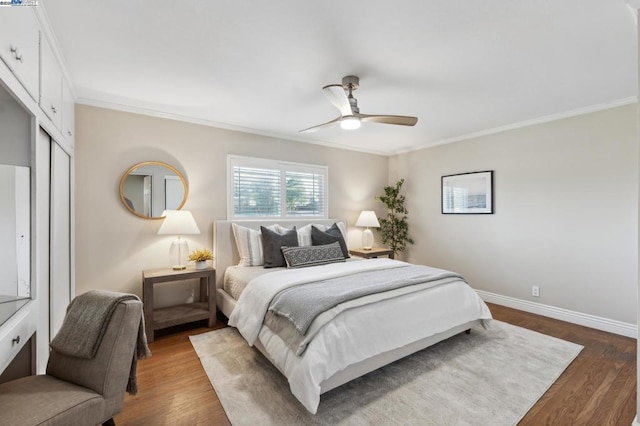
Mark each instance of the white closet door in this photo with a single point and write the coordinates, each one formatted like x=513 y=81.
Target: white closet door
x=60 y=253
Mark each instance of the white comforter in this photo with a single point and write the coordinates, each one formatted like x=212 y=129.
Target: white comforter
x=355 y=334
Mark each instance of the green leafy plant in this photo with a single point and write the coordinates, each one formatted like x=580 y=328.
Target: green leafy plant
x=201 y=255
x=394 y=229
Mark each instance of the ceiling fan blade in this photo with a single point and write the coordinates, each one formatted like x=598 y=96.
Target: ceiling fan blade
x=401 y=120
x=320 y=126
x=336 y=95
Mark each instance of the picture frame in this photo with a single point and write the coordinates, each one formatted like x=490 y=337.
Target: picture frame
x=468 y=193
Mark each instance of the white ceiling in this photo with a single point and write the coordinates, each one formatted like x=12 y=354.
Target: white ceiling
x=462 y=67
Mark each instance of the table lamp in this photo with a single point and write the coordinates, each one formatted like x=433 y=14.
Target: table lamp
x=369 y=219
x=178 y=223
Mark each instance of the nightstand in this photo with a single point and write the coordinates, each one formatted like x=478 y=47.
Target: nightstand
x=156 y=319
x=373 y=253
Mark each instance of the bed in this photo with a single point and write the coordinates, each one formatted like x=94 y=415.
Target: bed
x=358 y=340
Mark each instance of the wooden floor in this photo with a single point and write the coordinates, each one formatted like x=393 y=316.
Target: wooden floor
x=598 y=388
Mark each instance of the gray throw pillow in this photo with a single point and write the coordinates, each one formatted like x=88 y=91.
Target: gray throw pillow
x=272 y=242
x=331 y=235
x=302 y=257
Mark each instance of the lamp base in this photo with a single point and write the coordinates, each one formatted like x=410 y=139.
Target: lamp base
x=367 y=239
x=178 y=252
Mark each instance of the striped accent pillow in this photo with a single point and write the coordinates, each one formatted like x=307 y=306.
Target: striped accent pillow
x=302 y=257
x=249 y=243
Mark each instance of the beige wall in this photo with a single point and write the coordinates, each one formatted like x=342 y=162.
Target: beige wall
x=113 y=246
x=565 y=199
x=565 y=212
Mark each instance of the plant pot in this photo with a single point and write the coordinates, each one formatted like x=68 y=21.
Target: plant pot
x=201 y=264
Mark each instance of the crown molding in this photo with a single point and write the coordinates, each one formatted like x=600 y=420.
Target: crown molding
x=527 y=123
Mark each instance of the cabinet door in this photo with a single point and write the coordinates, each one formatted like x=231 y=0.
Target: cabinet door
x=51 y=85
x=60 y=243
x=68 y=112
x=19 y=42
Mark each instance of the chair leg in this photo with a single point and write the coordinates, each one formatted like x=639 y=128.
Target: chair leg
x=109 y=422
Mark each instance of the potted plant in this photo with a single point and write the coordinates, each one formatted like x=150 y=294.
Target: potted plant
x=394 y=229
x=200 y=257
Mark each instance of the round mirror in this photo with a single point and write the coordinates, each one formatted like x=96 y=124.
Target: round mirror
x=149 y=188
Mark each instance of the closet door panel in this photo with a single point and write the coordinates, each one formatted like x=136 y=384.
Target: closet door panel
x=60 y=252
x=42 y=245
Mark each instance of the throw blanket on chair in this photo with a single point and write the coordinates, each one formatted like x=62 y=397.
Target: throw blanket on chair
x=85 y=323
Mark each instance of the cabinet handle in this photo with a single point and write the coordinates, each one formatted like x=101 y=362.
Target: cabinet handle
x=54 y=109
x=16 y=54
x=15 y=340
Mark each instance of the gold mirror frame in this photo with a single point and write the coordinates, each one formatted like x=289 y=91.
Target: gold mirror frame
x=151 y=163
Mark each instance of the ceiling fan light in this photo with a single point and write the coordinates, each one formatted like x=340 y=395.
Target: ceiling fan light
x=350 y=122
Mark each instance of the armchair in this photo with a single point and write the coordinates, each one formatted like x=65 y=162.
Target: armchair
x=78 y=391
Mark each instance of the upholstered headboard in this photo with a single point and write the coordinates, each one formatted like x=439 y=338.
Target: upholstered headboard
x=225 y=251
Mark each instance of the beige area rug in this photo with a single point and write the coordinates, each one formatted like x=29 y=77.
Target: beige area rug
x=490 y=377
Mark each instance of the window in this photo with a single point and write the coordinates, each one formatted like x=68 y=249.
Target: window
x=260 y=188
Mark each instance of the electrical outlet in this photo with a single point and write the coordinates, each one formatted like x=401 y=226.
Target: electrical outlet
x=535 y=291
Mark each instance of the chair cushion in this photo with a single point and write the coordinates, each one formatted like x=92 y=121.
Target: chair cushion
x=45 y=400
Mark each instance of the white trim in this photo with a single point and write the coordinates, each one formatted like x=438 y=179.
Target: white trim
x=540 y=120
x=283 y=167
x=635 y=421
x=592 y=321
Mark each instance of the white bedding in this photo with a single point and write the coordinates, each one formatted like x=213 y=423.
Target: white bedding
x=355 y=334
x=236 y=278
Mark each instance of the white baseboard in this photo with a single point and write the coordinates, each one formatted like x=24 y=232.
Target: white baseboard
x=599 y=323
x=635 y=421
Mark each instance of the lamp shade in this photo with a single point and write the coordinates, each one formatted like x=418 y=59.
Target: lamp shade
x=369 y=219
x=178 y=222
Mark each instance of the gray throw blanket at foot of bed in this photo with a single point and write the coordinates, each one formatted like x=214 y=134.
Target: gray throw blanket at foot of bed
x=85 y=323
x=301 y=304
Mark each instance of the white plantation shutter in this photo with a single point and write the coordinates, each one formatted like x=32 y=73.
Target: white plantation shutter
x=260 y=188
x=256 y=192
x=305 y=194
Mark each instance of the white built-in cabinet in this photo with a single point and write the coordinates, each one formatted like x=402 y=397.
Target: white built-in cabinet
x=31 y=72
x=19 y=46
x=50 y=84
x=59 y=237
x=68 y=111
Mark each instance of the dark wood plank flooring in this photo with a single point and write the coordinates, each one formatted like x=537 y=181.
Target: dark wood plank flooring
x=598 y=388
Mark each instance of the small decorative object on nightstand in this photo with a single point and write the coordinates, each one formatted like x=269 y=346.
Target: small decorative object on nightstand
x=372 y=253
x=156 y=319
x=200 y=257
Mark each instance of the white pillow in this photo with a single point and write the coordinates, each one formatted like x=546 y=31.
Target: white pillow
x=304 y=233
x=249 y=243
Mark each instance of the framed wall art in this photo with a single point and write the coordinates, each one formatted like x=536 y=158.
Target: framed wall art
x=468 y=193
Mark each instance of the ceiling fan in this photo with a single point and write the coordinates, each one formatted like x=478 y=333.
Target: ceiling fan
x=341 y=96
